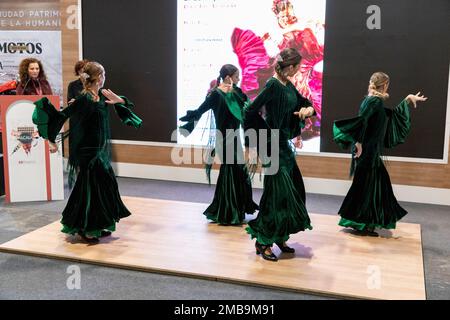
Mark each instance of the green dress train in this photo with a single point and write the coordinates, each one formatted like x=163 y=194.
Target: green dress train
x=233 y=194
x=282 y=208
x=94 y=204
x=370 y=202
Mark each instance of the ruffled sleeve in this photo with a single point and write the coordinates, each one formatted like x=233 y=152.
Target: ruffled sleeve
x=128 y=117
x=48 y=120
x=399 y=125
x=193 y=116
x=349 y=131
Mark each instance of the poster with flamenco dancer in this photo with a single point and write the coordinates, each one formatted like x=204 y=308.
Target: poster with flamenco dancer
x=249 y=34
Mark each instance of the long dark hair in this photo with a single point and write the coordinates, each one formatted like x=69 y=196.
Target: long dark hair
x=226 y=70
x=23 y=69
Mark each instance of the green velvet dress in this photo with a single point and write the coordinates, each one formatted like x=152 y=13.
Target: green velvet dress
x=370 y=202
x=233 y=194
x=94 y=203
x=282 y=208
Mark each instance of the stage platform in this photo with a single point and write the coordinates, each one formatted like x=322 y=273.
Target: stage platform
x=173 y=237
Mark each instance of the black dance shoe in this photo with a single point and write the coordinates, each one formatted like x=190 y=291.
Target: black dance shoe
x=371 y=233
x=88 y=240
x=284 y=248
x=105 y=233
x=358 y=232
x=261 y=249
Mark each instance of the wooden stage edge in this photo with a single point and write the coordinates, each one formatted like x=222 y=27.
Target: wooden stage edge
x=181 y=274
x=328 y=262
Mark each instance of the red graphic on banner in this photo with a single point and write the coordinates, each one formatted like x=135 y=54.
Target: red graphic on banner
x=25 y=137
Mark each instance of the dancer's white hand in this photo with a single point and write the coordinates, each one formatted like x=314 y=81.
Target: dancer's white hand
x=252 y=156
x=304 y=113
x=358 y=149
x=413 y=99
x=53 y=147
x=112 y=97
x=226 y=87
x=298 y=142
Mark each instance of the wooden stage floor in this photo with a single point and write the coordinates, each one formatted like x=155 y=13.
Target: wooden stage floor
x=174 y=237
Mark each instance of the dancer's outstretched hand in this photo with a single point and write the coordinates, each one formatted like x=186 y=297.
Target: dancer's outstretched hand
x=304 y=113
x=252 y=155
x=358 y=149
x=226 y=87
x=112 y=97
x=413 y=99
x=298 y=142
